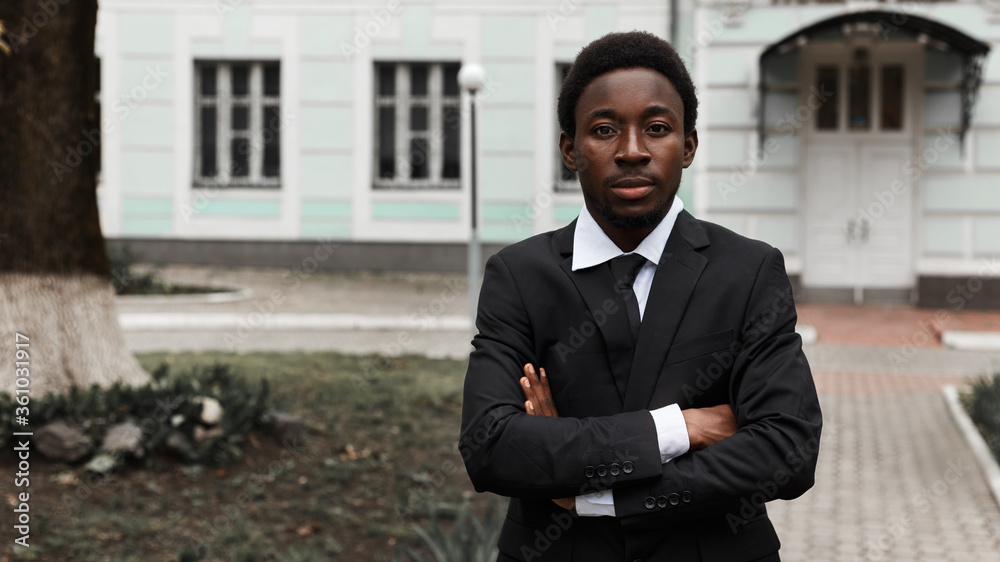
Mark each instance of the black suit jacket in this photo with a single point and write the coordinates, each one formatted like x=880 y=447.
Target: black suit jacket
x=718 y=327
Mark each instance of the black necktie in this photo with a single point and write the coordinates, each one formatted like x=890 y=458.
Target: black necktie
x=625 y=268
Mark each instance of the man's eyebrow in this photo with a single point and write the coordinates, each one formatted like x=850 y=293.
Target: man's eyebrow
x=659 y=110
x=605 y=112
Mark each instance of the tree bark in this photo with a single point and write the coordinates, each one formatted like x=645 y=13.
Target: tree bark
x=54 y=274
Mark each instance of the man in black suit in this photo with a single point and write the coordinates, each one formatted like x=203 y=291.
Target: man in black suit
x=673 y=399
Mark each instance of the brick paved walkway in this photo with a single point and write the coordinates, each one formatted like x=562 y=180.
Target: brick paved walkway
x=896 y=481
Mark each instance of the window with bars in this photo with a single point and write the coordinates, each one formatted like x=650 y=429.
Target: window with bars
x=565 y=179
x=238 y=124
x=417 y=126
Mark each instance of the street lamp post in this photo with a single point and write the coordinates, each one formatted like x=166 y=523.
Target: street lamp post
x=472 y=77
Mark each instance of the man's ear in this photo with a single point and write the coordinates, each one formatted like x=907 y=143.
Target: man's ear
x=690 y=146
x=566 y=149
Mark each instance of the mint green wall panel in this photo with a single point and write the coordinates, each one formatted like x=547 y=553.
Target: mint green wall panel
x=780 y=109
x=499 y=212
x=142 y=228
x=724 y=149
x=148 y=125
x=240 y=208
x=600 y=21
x=147 y=206
x=987 y=150
x=142 y=80
x=986 y=236
x=326 y=229
x=325 y=209
x=686 y=189
x=506 y=177
x=941 y=153
x=991 y=71
x=780 y=152
x=326 y=128
x=942 y=236
x=515 y=82
x=508 y=36
x=432 y=211
x=762 y=190
x=780 y=232
x=416 y=29
x=727 y=68
x=730 y=109
x=566 y=53
x=564 y=214
x=506 y=232
x=323 y=35
x=150 y=34
x=326 y=82
x=987 y=111
x=506 y=129
x=147 y=172
x=962 y=193
x=326 y=175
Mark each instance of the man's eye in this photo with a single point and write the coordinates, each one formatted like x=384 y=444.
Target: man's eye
x=658 y=128
x=603 y=130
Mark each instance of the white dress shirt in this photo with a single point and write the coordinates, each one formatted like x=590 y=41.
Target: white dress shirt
x=592 y=247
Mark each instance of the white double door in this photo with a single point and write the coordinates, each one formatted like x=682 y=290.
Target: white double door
x=859 y=175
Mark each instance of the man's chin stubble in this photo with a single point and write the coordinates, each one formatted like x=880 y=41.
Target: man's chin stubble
x=645 y=221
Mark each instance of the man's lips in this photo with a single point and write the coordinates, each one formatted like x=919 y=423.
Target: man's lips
x=632 y=188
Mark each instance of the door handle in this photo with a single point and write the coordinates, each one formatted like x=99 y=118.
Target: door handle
x=865 y=225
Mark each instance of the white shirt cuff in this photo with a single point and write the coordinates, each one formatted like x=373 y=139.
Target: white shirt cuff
x=671 y=432
x=596 y=504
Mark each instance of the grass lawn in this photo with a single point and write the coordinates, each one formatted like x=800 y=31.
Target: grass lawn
x=380 y=450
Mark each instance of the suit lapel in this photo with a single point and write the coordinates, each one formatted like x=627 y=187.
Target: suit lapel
x=676 y=276
x=597 y=287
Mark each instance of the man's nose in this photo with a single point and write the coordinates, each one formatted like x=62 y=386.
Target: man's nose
x=632 y=148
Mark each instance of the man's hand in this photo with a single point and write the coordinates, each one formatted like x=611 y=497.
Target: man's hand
x=540 y=403
x=707 y=426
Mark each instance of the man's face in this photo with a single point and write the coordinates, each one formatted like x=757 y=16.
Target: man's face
x=629 y=148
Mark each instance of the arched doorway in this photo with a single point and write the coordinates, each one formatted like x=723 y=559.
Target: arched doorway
x=860 y=131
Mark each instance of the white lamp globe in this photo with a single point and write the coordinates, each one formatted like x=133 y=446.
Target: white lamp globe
x=472 y=77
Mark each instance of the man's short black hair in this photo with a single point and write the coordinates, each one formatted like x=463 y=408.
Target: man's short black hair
x=625 y=50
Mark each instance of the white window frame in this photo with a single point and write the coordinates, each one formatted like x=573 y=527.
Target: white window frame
x=224 y=102
x=559 y=184
x=402 y=100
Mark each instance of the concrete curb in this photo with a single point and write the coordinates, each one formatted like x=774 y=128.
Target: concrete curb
x=194 y=322
x=980 y=450
x=224 y=295
x=972 y=341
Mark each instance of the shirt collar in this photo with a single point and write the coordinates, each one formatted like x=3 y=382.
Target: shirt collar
x=591 y=246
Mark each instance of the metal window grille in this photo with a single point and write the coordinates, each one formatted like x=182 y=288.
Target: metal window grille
x=237 y=124
x=417 y=126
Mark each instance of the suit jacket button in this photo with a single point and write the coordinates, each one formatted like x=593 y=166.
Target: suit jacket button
x=588 y=472
x=615 y=469
x=650 y=502
x=661 y=502
x=627 y=467
x=674 y=499
x=686 y=496
x=602 y=470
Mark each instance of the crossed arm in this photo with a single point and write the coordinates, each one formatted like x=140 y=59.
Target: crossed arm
x=705 y=426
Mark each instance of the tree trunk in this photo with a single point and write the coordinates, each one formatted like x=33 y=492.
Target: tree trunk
x=54 y=274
